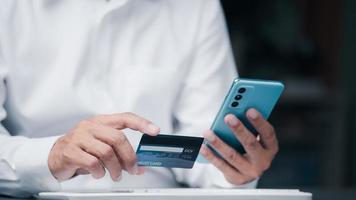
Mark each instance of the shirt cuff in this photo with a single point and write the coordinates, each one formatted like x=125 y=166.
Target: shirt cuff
x=207 y=176
x=218 y=180
x=31 y=165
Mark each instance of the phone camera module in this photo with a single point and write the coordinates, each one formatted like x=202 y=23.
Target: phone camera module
x=235 y=104
x=238 y=97
x=242 y=90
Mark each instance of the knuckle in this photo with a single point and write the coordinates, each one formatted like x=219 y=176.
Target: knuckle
x=98 y=118
x=84 y=123
x=119 y=139
x=209 y=156
x=93 y=163
x=71 y=137
x=265 y=166
x=215 y=143
x=131 y=159
x=137 y=119
x=107 y=153
x=67 y=154
x=275 y=149
x=130 y=162
x=128 y=114
x=239 y=129
x=254 y=174
x=251 y=142
x=231 y=155
x=64 y=141
x=112 y=140
x=259 y=122
x=128 y=157
x=270 y=133
x=240 y=181
x=144 y=123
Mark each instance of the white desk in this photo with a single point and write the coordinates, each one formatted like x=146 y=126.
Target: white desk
x=183 y=194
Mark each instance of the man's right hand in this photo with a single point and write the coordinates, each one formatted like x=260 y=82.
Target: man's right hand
x=98 y=144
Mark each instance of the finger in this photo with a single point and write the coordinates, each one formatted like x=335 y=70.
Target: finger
x=121 y=146
x=231 y=174
x=246 y=138
x=82 y=172
x=86 y=162
x=229 y=154
x=265 y=130
x=106 y=154
x=128 y=120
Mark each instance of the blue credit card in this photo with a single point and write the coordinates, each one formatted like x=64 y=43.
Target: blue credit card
x=172 y=151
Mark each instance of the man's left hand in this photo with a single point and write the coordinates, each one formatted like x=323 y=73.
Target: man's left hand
x=240 y=169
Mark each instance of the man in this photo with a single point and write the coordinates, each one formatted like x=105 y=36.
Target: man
x=80 y=79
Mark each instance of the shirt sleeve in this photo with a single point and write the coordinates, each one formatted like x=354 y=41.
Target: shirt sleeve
x=23 y=161
x=211 y=73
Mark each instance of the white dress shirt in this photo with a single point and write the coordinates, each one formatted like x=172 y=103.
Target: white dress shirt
x=63 y=61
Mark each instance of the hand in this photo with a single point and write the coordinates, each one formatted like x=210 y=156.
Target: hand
x=260 y=151
x=96 y=144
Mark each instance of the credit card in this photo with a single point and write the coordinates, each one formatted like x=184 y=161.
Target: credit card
x=172 y=151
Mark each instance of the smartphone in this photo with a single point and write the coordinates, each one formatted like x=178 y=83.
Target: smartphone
x=243 y=95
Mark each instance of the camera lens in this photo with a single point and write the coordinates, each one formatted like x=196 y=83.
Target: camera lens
x=238 y=97
x=234 y=104
x=242 y=90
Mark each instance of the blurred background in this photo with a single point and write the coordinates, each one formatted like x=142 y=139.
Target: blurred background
x=310 y=45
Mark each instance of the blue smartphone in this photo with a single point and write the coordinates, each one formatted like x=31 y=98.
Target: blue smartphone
x=243 y=95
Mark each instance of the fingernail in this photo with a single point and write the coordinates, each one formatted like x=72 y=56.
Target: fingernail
x=141 y=170
x=135 y=170
x=153 y=128
x=118 y=178
x=252 y=113
x=209 y=136
x=232 y=121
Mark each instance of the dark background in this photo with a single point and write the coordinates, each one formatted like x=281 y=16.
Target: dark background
x=310 y=46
